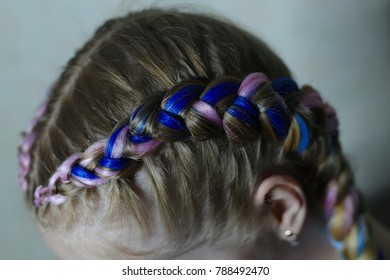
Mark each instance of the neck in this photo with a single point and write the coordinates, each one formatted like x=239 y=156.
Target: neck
x=312 y=244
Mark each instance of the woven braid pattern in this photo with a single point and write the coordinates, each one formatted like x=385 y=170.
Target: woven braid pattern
x=348 y=231
x=225 y=107
x=28 y=138
x=107 y=158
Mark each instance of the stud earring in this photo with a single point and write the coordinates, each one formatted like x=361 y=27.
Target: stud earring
x=291 y=237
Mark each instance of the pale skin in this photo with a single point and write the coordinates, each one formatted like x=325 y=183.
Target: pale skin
x=287 y=210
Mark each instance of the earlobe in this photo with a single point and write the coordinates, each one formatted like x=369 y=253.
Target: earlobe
x=282 y=197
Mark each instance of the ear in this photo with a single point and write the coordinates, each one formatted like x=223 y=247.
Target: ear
x=282 y=197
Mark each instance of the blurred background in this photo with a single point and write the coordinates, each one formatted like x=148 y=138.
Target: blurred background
x=340 y=47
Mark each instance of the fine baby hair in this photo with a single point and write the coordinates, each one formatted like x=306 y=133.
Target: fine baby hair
x=156 y=135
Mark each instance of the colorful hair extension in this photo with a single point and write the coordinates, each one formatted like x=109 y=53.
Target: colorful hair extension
x=348 y=231
x=229 y=106
x=192 y=96
x=28 y=138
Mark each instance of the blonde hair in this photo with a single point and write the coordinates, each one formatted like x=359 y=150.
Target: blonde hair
x=204 y=183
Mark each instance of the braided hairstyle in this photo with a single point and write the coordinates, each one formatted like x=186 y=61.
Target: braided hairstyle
x=208 y=110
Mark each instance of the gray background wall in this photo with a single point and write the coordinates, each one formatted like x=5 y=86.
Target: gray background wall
x=340 y=47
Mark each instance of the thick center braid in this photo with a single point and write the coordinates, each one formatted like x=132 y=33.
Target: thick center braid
x=241 y=111
x=189 y=109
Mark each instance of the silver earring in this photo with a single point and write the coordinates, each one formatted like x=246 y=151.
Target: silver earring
x=291 y=237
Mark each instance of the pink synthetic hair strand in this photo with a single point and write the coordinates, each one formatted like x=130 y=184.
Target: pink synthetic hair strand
x=28 y=139
x=251 y=83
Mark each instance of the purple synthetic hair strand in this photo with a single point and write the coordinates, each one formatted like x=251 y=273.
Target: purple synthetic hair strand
x=138 y=150
x=28 y=139
x=207 y=111
x=105 y=159
x=330 y=198
x=311 y=100
x=45 y=193
x=119 y=144
x=251 y=84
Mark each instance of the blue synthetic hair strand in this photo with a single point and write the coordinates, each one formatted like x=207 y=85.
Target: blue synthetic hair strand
x=114 y=163
x=80 y=172
x=304 y=134
x=244 y=110
x=108 y=152
x=214 y=94
x=284 y=85
x=183 y=96
x=279 y=122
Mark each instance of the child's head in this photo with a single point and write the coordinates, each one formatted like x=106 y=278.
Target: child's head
x=170 y=131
